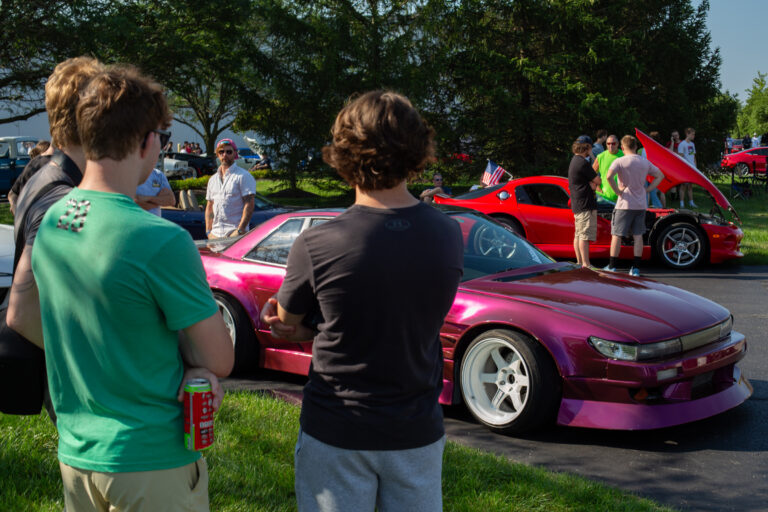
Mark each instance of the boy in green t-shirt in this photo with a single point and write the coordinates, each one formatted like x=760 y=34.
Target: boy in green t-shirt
x=112 y=308
x=603 y=163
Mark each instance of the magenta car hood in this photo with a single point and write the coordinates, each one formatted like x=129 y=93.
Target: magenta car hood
x=676 y=170
x=635 y=308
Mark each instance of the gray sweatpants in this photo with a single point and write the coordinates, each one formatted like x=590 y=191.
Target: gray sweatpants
x=330 y=479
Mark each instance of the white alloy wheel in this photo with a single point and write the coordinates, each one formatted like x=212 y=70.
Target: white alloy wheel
x=495 y=381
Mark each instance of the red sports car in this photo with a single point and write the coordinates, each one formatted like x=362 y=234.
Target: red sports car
x=539 y=209
x=746 y=162
x=528 y=340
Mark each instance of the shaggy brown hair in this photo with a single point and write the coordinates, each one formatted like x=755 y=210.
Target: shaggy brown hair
x=379 y=140
x=117 y=111
x=62 y=92
x=579 y=147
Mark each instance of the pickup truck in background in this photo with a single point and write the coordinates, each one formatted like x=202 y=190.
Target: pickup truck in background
x=14 y=156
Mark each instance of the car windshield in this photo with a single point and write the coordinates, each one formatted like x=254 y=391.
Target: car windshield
x=261 y=202
x=480 y=192
x=490 y=247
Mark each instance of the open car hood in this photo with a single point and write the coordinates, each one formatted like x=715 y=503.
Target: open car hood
x=676 y=170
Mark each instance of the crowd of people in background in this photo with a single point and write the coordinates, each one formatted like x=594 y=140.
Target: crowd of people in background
x=733 y=144
x=192 y=148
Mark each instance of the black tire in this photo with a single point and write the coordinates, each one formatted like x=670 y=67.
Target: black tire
x=512 y=224
x=742 y=170
x=241 y=331
x=681 y=245
x=515 y=396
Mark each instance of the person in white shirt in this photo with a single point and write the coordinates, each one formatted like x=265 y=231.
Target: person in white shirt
x=230 y=195
x=687 y=149
x=755 y=140
x=155 y=192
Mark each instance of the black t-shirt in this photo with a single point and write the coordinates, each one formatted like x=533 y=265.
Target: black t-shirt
x=30 y=169
x=580 y=174
x=383 y=281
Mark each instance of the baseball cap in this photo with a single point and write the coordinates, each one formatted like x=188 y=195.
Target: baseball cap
x=584 y=139
x=229 y=142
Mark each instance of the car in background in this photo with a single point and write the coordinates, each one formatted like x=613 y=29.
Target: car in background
x=7 y=253
x=202 y=165
x=528 y=341
x=539 y=209
x=14 y=156
x=246 y=157
x=194 y=220
x=746 y=163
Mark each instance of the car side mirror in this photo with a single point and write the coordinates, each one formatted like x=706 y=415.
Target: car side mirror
x=503 y=195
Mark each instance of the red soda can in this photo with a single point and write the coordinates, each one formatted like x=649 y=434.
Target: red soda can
x=198 y=414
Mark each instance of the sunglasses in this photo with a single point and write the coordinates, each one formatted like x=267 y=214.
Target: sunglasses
x=165 y=136
x=611 y=143
x=224 y=152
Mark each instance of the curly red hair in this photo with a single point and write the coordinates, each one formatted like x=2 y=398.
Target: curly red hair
x=379 y=140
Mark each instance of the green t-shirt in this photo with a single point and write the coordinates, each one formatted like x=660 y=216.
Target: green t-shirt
x=116 y=284
x=604 y=161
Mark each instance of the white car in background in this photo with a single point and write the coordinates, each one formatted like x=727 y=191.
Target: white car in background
x=7 y=250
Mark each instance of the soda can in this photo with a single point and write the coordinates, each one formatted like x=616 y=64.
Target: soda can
x=198 y=414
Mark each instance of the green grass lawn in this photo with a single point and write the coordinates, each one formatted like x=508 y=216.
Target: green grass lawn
x=251 y=469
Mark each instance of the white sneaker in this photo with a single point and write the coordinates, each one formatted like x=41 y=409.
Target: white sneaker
x=682 y=204
x=609 y=268
x=634 y=272
x=692 y=204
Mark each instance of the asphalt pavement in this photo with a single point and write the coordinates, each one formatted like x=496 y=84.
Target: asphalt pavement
x=717 y=464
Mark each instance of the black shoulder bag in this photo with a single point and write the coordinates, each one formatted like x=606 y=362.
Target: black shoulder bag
x=22 y=363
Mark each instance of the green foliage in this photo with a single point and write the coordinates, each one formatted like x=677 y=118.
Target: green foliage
x=251 y=468
x=511 y=81
x=196 y=50
x=200 y=183
x=753 y=117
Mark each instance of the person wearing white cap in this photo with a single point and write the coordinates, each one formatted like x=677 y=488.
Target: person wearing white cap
x=230 y=195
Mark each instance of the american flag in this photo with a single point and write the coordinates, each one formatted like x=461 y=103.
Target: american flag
x=493 y=173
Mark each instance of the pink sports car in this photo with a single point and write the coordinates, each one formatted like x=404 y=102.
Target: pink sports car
x=529 y=340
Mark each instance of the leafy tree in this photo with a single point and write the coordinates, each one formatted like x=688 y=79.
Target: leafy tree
x=318 y=54
x=753 y=117
x=36 y=35
x=196 y=50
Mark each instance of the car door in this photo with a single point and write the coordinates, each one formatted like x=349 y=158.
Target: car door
x=546 y=212
x=760 y=159
x=267 y=261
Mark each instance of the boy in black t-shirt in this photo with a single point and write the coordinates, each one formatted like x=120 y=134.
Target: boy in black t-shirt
x=582 y=182
x=383 y=275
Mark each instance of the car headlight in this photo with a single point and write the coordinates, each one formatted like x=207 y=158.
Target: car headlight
x=635 y=352
x=726 y=327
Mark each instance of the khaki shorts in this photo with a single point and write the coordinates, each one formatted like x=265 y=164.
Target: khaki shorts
x=585 y=224
x=179 y=489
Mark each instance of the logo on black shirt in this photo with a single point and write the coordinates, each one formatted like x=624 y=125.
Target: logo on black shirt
x=398 y=224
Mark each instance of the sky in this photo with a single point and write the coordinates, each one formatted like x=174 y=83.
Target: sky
x=738 y=27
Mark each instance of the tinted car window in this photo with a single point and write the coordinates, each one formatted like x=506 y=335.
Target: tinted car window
x=490 y=247
x=552 y=196
x=4 y=146
x=275 y=247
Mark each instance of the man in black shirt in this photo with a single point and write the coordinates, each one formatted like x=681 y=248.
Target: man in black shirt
x=52 y=182
x=582 y=182
x=382 y=277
